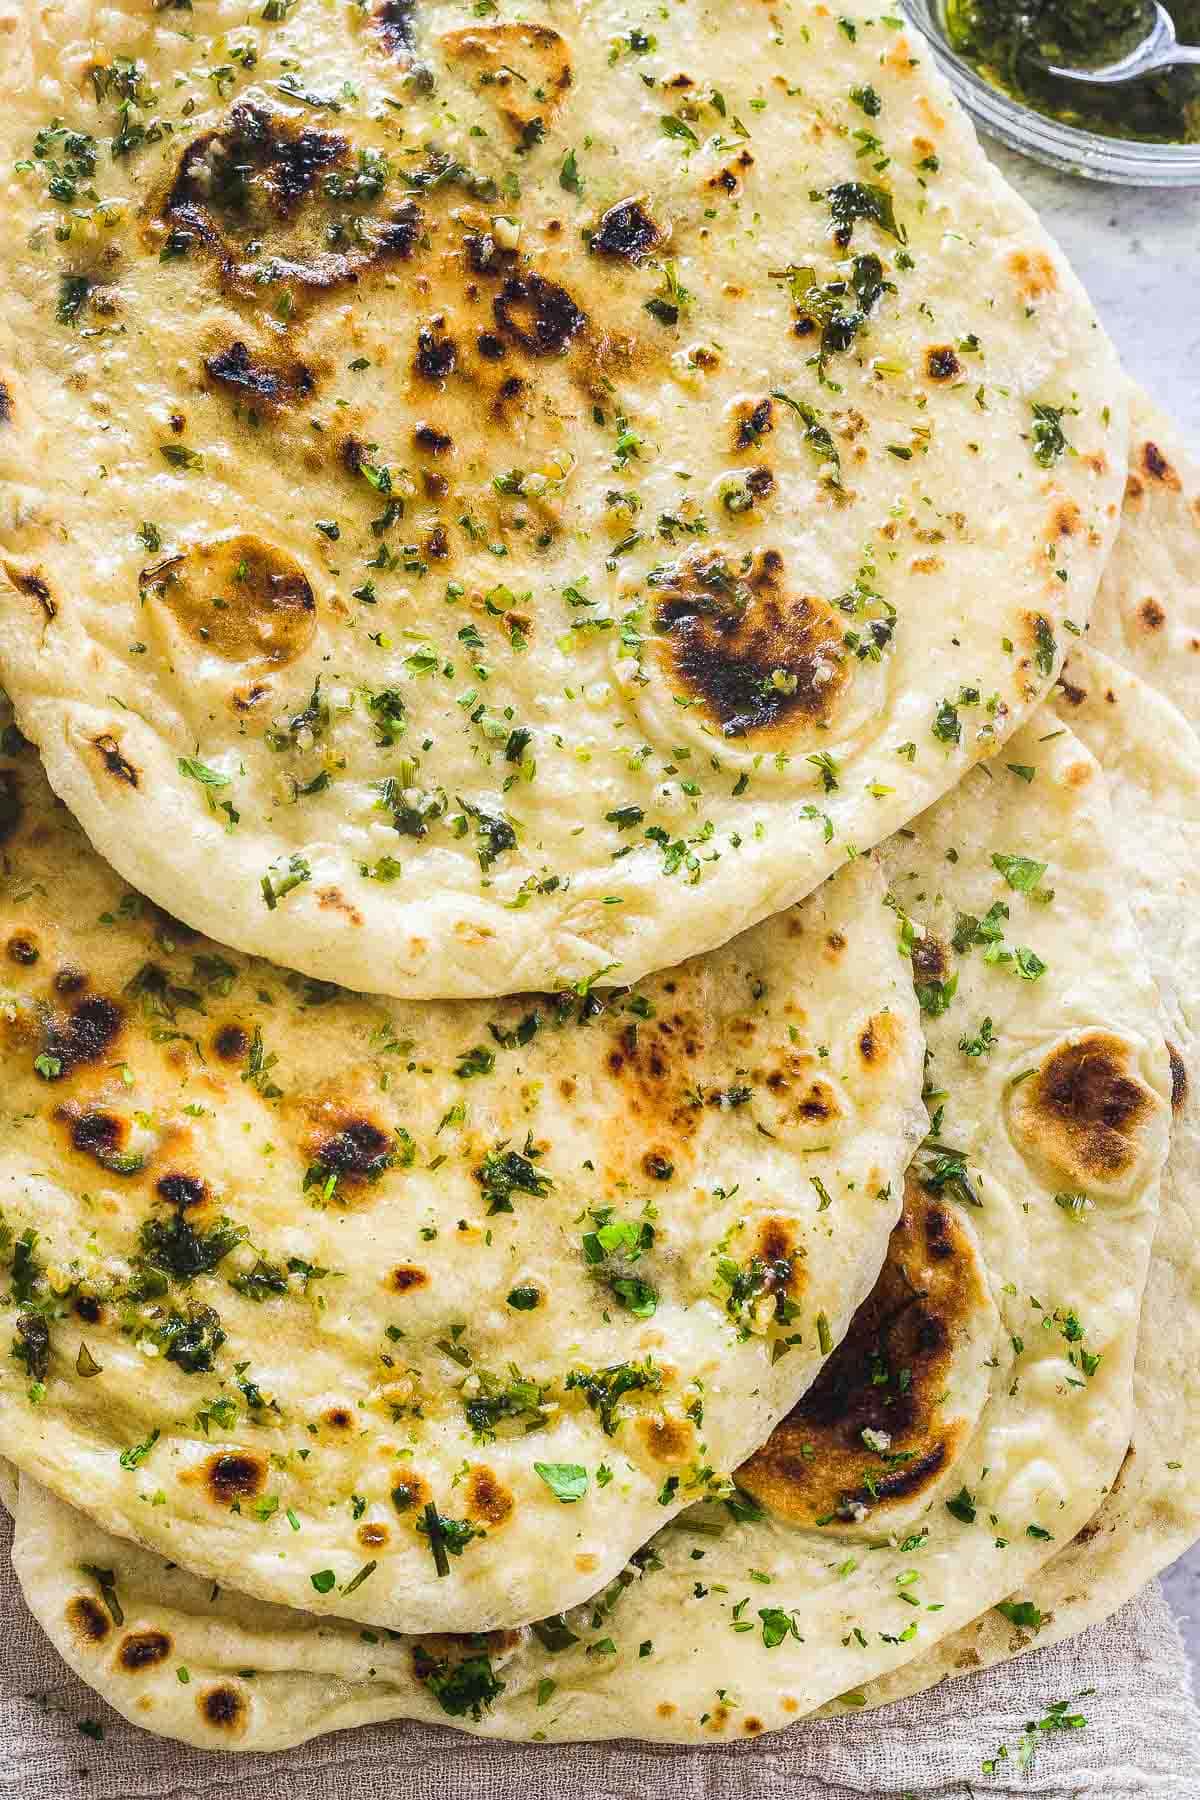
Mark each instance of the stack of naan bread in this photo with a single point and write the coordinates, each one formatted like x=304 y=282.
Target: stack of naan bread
x=600 y=838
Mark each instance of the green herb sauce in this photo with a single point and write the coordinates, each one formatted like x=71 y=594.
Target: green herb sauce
x=1011 y=42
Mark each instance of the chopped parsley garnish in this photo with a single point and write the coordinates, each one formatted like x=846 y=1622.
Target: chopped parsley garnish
x=208 y=778
x=947 y=1170
x=677 y=128
x=356 y=1581
x=851 y=201
x=947 y=726
x=1020 y=872
x=284 y=874
x=136 y=1454
x=746 y=1283
x=839 y=309
x=610 y=1248
x=962 y=1506
x=66 y=157
x=568 y=1482
x=496 y=1400
x=459 y=1688
x=1049 y=440
x=31 y=1346
x=494 y=834
x=259 y=1063
x=983 y=1041
x=816 y=434
x=778 y=1625
x=447 y=1537
x=106 y=1581
x=181 y=457
x=504 y=1172
x=743 y=1507
x=189 y=1339
x=1021 y=1613
x=73 y=291
x=176 y=1250
x=934 y=997
x=604 y=1389
x=553 y=1633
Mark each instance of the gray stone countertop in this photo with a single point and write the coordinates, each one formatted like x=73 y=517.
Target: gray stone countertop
x=1137 y=251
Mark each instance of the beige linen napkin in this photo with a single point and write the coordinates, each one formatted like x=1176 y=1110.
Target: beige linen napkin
x=1142 y=1737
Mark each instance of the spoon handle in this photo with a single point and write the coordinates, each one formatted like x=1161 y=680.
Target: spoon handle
x=1174 y=56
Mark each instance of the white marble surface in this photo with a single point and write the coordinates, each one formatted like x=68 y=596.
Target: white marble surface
x=1137 y=251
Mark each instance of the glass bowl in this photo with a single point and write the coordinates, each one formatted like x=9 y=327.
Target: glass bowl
x=1061 y=146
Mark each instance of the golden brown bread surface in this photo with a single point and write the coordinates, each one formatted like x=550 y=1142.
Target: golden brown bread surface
x=489 y=504
x=308 y=1283
x=970 y=1424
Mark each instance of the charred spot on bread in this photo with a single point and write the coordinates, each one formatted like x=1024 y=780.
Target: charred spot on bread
x=268 y=382
x=83 y=1035
x=1085 y=1108
x=234 y=1475
x=761 y=660
x=626 y=231
x=89 y=1622
x=140 y=1650
x=538 y=315
x=941 y=363
x=225 y=1708
x=113 y=761
x=872 y=1430
x=1179 y=1079
x=29 y=581
x=1158 y=468
x=239 y=598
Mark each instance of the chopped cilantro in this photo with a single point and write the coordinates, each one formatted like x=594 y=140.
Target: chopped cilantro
x=447 y=1537
x=568 y=1482
x=1020 y=872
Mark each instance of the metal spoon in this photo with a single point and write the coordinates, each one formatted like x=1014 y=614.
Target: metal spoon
x=1159 y=49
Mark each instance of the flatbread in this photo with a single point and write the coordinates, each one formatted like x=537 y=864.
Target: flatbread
x=1152 y=1515
x=674 y=479
x=425 y=1315
x=1148 y=616
x=1148 y=605
x=970 y=1422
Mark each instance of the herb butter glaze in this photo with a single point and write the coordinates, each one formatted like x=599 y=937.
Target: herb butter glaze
x=474 y=530
x=964 y=1431
x=424 y=1315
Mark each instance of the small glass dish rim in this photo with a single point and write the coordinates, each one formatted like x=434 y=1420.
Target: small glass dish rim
x=1065 y=147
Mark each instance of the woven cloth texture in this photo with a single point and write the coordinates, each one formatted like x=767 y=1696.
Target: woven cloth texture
x=1142 y=1737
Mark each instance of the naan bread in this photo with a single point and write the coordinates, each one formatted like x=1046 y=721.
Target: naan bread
x=488 y=505
x=1148 y=617
x=425 y=1315
x=1151 y=756
x=971 y=1421
x=1148 y=605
